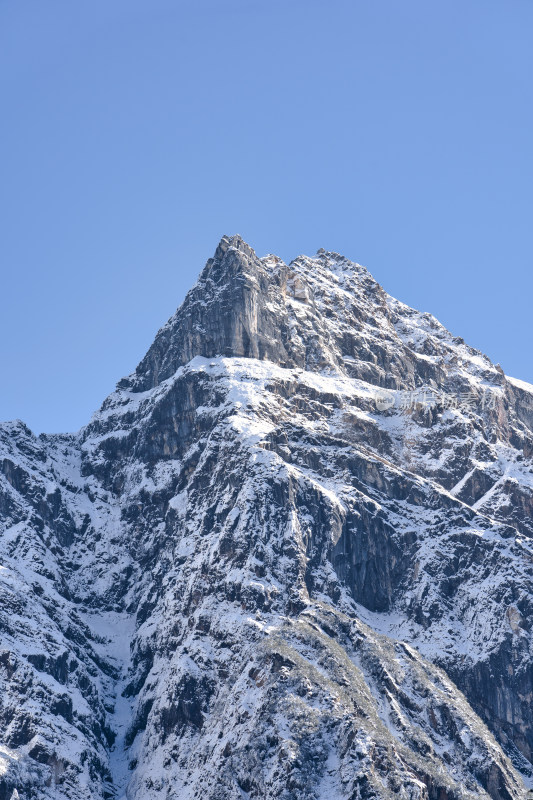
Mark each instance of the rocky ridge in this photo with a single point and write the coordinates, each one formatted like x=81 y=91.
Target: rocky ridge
x=291 y=556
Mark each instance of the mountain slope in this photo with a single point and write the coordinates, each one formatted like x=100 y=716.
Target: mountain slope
x=259 y=568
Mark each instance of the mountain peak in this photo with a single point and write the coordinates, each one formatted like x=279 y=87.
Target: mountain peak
x=246 y=306
x=232 y=256
x=234 y=583
x=322 y=314
x=235 y=242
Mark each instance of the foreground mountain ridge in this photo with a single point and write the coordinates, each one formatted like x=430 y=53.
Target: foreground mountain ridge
x=291 y=556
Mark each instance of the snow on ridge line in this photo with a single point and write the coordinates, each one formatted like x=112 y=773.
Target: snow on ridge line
x=524 y=385
x=124 y=400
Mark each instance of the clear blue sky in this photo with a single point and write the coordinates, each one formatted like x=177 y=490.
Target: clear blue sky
x=134 y=134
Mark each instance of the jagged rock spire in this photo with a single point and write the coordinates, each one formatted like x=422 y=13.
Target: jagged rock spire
x=225 y=314
x=251 y=307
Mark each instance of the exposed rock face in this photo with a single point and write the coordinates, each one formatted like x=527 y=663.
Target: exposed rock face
x=290 y=557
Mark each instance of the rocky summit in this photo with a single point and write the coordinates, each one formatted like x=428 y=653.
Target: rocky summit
x=290 y=558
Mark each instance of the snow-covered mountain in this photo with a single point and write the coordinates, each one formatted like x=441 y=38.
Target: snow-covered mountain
x=291 y=557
